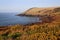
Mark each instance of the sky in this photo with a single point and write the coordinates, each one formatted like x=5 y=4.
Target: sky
x=22 y=5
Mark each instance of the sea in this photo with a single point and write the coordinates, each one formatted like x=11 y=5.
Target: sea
x=11 y=19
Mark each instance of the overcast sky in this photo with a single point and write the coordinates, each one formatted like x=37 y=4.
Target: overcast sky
x=21 y=5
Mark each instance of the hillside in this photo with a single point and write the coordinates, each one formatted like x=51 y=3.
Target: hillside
x=45 y=31
x=46 y=14
x=41 y=11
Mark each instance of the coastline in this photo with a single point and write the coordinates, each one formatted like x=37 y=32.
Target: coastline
x=48 y=29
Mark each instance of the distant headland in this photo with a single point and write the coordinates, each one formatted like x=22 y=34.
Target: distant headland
x=41 y=11
x=47 y=14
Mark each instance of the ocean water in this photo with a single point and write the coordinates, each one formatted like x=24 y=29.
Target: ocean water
x=12 y=19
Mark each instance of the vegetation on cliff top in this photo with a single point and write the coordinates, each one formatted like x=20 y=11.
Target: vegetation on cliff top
x=46 y=31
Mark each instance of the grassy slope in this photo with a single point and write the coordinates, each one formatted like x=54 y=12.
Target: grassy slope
x=46 y=31
x=37 y=31
x=41 y=11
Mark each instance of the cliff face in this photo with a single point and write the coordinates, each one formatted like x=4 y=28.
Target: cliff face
x=42 y=11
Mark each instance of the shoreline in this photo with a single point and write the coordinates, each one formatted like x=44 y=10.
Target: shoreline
x=45 y=19
x=29 y=15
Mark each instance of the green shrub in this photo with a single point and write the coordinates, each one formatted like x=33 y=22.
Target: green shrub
x=16 y=35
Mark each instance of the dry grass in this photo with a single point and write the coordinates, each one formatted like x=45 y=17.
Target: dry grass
x=42 y=11
x=46 y=31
